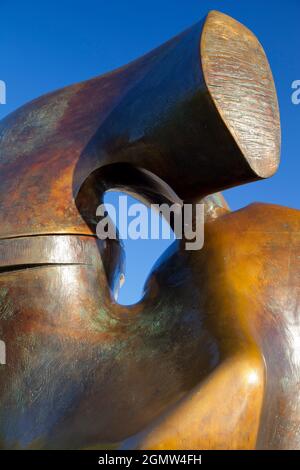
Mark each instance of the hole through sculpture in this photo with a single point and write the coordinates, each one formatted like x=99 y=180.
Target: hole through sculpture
x=140 y=249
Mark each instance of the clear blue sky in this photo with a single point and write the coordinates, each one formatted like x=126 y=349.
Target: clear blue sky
x=45 y=45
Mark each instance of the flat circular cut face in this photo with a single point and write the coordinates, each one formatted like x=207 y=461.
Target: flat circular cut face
x=240 y=82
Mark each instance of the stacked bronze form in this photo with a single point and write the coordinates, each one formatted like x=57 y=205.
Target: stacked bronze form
x=210 y=357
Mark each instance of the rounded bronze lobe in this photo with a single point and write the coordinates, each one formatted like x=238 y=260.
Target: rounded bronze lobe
x=200 y=112
x=208 y=359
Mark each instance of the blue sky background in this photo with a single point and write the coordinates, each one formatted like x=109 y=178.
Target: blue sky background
x=49 y=44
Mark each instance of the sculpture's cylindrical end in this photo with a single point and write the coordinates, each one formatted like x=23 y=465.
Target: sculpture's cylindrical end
x=240 y=82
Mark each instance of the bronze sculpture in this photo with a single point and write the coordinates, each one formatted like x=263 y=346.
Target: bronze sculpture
x=209 y=358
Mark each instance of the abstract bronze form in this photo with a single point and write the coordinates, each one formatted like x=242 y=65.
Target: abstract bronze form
x=209 y=358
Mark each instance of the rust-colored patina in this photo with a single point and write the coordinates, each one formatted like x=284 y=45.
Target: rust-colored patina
x=209 y=358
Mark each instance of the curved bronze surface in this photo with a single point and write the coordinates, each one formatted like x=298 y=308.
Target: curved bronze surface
x=161 y=113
